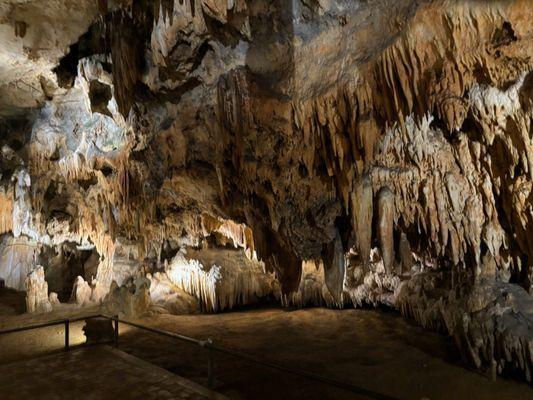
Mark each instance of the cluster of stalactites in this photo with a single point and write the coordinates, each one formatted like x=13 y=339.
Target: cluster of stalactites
x=240 y=234
x=346 y=125
x=312 y=290
x=459 y=181
x=368 y=284
x=20 y=215
x=6 y=210
x=217 y=9
x=219 y=288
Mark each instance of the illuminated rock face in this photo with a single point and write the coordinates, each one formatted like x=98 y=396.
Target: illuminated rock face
x=319 y=152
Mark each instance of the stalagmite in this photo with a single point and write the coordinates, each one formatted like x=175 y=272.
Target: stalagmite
x=37 y=300
x=81 y=292
x=406 y=256
x=335 y=268
x=54 y=301
x=386 y=227
x=362 y=207
x=132 y=299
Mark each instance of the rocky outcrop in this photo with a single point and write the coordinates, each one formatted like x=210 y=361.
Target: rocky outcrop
x=132 y=299
x=490 y=321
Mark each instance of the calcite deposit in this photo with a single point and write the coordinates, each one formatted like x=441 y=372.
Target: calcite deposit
x=196 y=155
x=37 y=300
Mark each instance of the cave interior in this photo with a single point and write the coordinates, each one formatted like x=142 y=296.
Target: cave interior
x=336 y=180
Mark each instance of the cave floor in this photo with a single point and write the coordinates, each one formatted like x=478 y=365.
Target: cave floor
x=97 y=372
x=374 y=349
x=30 y=344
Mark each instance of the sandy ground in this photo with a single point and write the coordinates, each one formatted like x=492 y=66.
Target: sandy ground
x=373 y=349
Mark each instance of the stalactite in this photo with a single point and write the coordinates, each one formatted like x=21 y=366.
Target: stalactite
x=239 y=234
x=406 y=254
x=312 y=290
x=335 y=268
x=6 y=210
x=127 y=60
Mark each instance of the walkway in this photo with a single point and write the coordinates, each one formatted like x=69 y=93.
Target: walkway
x=98 y=372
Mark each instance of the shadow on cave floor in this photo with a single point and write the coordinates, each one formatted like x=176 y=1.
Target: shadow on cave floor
x=30 y=344
x=373 y=349
x=12 y=302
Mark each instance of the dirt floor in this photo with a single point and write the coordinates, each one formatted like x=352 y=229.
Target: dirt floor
x=373 y=349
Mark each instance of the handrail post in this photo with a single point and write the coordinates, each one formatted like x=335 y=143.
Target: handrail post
x=67 y=335
x=210 y=372
x=116 y=331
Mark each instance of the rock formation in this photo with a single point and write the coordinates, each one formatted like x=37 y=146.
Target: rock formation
x=37 y=300
x=326 y=152
x=81 y=293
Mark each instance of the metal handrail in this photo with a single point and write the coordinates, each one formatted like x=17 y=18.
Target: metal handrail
x=66 y=322
x=211 y=347
x=49 y=323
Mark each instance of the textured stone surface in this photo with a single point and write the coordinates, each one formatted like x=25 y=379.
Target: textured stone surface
x=98 y=372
